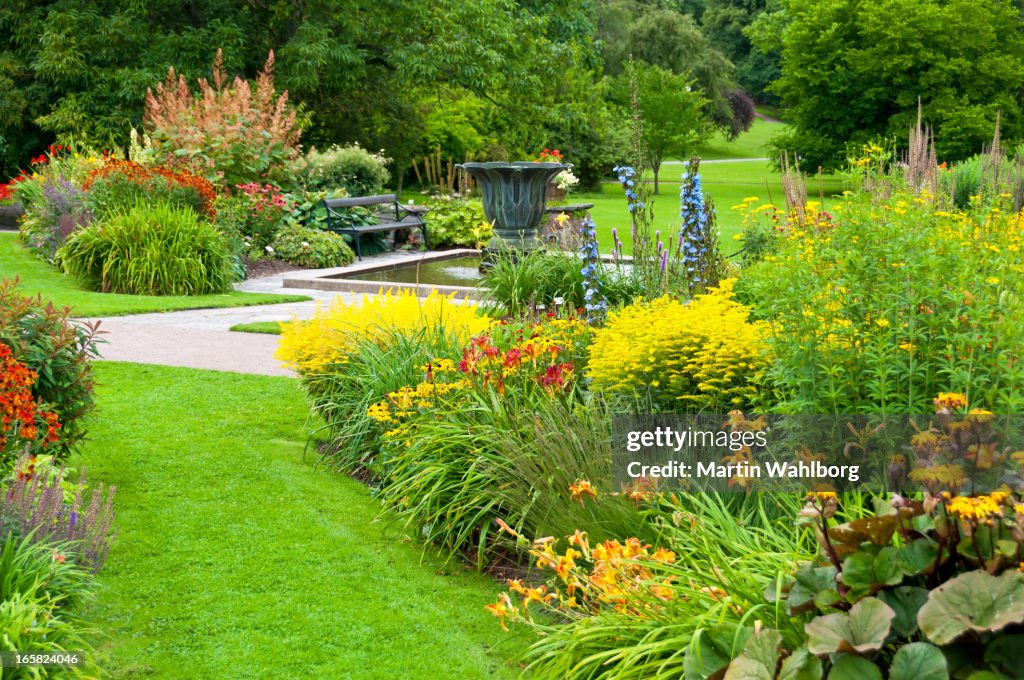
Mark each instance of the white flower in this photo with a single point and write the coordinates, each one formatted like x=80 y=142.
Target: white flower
x=565 y=180
x=305 y=244
x=270 y=250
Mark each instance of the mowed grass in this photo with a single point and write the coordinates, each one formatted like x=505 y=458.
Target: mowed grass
x=37 y=276
x=727 y=183
x=725 y=179
x=265 y=327
x=751 y=144
x=237 y=559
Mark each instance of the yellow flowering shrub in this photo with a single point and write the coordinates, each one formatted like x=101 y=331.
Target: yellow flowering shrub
x=702 y=354
x=308 y=346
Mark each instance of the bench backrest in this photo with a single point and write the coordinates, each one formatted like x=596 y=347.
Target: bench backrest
x=360 y=201
x=361 y=211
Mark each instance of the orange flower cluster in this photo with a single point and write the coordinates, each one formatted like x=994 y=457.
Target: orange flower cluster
x=21 y=417
x=142 y=175
x=619 y=575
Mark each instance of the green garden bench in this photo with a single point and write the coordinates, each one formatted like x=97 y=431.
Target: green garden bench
x=385 y=213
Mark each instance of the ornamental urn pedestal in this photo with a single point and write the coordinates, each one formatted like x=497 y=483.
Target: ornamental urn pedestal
x=514 y=197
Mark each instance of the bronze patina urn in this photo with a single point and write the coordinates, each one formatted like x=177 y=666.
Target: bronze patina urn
x=514 y=197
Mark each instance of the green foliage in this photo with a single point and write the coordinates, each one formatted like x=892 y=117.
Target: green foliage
x=149 y=250
x=549 y=280
x=727 y=23
x=862 y=76
x=670 y=40
x=37 y=277
x=890 y=305
x=40 y=599
x=251 y=215
x=311 y=248
x=457 y=222
x=912 y=620
x=59 y=350
x=351 y=168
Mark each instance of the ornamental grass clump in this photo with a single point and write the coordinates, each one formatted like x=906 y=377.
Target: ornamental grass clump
x=149 y=250
x=704 y=354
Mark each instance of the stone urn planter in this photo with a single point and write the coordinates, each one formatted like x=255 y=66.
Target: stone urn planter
x=514 y=197
x=9 y=215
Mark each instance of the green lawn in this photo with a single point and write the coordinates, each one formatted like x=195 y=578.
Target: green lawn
x=38 y=277
x=267 y=327
x=237 y=559
x=726 y=183
x=751 y=144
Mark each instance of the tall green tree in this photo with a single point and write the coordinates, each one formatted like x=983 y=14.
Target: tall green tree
x=853 y=70
x=672 y=109
x=366 y=70
x=726 y=23
x=661 y=36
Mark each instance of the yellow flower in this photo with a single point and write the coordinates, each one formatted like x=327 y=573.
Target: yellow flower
x=974 y=508
x=328 y=338
x=951 y=400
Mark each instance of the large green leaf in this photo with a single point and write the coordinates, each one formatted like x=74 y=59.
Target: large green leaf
x=974 y=601
x=1007 y=654
x=863 y=629
x=919 y=661
x=918 y=556
x=867 y=574
x=758 y=659
x=852 y=667
x=711 y=650
x=808 y=582
x=801 y=665
x=906 y=601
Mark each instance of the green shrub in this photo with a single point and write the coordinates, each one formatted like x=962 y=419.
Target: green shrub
x=149 y=250
x=457 y=222
x=311 y=248
x=307 y=207
x=59 y=350
x=893 y=303
x=253 y=213
x=352 y=168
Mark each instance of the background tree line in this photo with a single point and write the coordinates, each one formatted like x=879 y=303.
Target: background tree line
x=504 y=78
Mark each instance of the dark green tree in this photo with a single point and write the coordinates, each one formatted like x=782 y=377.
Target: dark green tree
x=726 y=24
x=853 y=71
